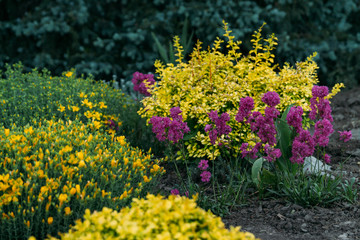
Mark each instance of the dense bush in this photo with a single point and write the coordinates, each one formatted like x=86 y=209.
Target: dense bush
x=51 y=173
x=155 y=218
x=34 y=96
x=115 y=36
x=213 y=81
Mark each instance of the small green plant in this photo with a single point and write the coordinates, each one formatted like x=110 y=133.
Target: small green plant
x=155 y=218
x=349 y=190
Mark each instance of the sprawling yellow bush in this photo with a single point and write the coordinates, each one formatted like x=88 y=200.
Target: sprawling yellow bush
x=154 y=218
x=51 y=173
x=212 y=80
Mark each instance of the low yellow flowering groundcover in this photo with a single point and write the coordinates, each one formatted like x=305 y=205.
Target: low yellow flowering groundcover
x=51 y=173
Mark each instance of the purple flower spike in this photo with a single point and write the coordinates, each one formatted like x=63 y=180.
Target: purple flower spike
x=165 y=128
x=245 y=107
x=139 y=82
x=271 y=99
x=294 y=118
x=345 y=136
x=320 y=91
x=203 y=165
x=175 y=192
x=205 y=176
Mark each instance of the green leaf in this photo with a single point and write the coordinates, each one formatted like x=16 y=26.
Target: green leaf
x=268 y=177
x=256 y=169
x=161 y=48
x=189 y=136
x=284 y=135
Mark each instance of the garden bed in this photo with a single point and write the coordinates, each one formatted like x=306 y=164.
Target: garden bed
x=277 y=219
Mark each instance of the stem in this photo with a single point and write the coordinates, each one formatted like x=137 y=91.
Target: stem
x=176 y=168
x=213 y=177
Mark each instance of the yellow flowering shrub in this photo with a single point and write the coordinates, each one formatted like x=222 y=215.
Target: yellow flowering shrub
x=51 y=173
x=212 y=80
x=27 y=98
x=154 y=218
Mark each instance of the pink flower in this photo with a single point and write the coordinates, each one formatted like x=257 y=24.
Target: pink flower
x=345 y=135
x=203 y=165
x=205 y=176
x=294 y=118
x=165 y=128
x=271 y=99
x=139 y=82
x=245 y=107
x=302 y=146
x=175 y=192
x=272 y=153
x=327 y=158
x=323 y=129
x=219 y=128
x=320 y=107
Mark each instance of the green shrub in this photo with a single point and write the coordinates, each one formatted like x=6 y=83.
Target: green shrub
x=154 y=218
x=51 y=173
x=31 y=97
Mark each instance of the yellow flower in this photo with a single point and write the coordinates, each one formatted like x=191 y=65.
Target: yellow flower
x=82 y=95
x=102 y=105
x=62 y=198
x=7 y=132
x=146 y=179
x=67 y=211
x=61 y=108
x=69 y=74
x=87 y=103
x=82 y=164
x=73 y=191
x=28 y=130
x=75 y=108
x=97 y=124
x=121 y=140
x=80 y=155
x=50 y=220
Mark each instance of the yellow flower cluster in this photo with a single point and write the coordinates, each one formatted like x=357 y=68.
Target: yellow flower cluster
x=155 y=218
x=52 y=172
x=212 y=80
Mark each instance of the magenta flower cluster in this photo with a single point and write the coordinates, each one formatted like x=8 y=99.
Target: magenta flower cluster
x=345 y=136
x=304 y=144
x=320 y=107
x=171 y=129
x=219 y=127
x=138 y=81
x=262 y=125
x=205 y=175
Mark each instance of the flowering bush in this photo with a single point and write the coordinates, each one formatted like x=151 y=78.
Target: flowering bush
x=51 y=173
x=27 y=98
x=154 y=218
x=213 y=81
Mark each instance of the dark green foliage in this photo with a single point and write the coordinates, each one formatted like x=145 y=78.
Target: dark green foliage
x=113 y=37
